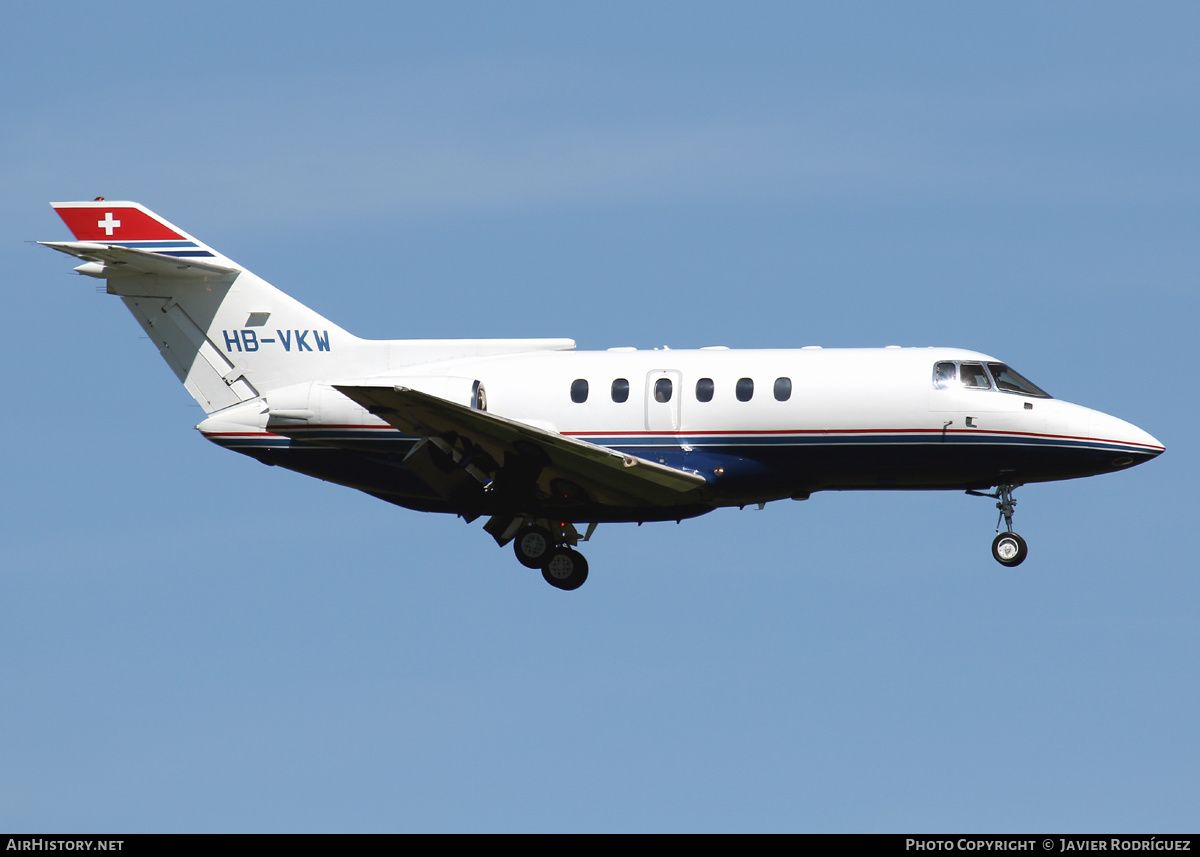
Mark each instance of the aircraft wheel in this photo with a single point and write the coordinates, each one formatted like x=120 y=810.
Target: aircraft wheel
x=565 y=568
x=531 y=546
x=1009 y=549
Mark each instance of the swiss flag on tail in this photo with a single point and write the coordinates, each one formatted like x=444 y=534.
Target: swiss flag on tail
x=114 y=221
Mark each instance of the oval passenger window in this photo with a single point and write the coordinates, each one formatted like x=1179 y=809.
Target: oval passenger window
x=620 y=390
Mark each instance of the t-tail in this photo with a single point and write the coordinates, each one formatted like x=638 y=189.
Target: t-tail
x=228 y=334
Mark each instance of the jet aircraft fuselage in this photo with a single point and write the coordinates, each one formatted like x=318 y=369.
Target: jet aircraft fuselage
x=539 y=437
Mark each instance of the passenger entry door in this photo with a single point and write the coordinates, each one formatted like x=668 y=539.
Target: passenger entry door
x=664 y=387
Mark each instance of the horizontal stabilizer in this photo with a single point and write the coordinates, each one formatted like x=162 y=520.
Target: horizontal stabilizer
x=112 y=260
x=118 y=238
x=605 y=474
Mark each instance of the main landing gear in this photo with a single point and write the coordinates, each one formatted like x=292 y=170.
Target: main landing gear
x=1008 y=548
x=565 y=568
x=562 y=566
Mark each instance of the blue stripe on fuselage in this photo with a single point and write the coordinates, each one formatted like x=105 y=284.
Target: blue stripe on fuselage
x=649 y=441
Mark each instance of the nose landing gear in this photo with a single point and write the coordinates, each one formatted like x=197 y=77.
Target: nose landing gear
x=1008 y=548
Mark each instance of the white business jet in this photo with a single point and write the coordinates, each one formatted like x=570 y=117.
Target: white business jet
x=540 y=438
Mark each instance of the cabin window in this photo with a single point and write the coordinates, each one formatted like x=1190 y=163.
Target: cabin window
x=945 y=375
x=745 y=389
x=1011 y=381
x=704 y=390
x=974 y=377
x=662 y=390
x=783 y=389
x=579 y=391
x=620 y=390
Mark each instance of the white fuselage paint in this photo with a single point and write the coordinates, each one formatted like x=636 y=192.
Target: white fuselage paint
x=264 y=367
x=870 y=405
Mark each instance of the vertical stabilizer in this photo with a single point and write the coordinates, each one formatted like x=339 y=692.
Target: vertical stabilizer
x=226 y=333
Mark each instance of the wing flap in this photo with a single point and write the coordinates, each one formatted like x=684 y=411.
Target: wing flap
x=605 y=474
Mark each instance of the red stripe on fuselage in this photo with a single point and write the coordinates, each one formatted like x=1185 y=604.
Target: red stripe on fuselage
x=819 y=432
x=752 y=432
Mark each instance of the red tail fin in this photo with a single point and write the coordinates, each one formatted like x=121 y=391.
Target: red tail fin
x=115 y=222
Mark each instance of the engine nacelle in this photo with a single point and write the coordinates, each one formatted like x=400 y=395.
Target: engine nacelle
x=292 y=411
x=320 y=404
x=462 y=391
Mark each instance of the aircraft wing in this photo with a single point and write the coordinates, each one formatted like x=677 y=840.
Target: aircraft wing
x=605 y=475
x=117 y=260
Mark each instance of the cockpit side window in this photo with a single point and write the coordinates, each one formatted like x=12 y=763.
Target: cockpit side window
x=1011 y=381
x=974 y=377
x=945 y=375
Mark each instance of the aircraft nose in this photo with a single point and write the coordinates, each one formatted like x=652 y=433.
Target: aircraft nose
x=1128 y=443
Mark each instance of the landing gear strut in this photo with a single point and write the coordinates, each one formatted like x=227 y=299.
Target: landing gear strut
x=1008 y=548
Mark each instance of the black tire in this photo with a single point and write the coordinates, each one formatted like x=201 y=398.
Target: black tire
x=565 y=569
x=532 y=545
x=1009 y=549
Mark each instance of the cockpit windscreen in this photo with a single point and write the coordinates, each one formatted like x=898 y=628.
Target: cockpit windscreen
x=1011 y=381
x=973 y=376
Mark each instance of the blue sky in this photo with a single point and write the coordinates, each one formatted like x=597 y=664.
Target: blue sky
x=192 y=642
